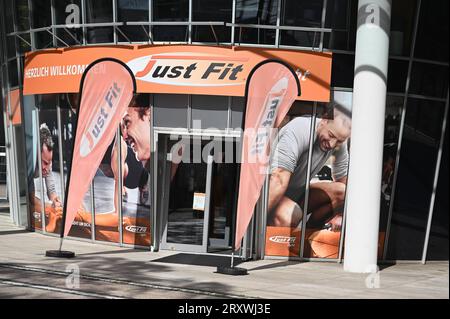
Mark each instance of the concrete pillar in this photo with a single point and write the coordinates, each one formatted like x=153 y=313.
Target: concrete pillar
x=366 y=153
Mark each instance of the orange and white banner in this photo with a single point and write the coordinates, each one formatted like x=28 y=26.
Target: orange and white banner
x=176 y=69
x=106 y=89
x=271 y=91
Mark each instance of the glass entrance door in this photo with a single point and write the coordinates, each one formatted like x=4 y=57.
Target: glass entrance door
x=187 y=197
x=198 y=197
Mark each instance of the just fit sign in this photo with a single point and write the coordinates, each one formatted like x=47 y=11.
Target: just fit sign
x=187 y=69
x=176 y=69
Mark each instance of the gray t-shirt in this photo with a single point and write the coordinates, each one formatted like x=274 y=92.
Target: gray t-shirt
x=291 y=154
x=49 y=182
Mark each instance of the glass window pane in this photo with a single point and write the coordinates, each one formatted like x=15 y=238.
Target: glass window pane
x=209 y=112
x=12 y=73
x=42 y=16
x=211 y=10
x=429 y=80
x=70 y=35
x=432 y=32
x=237 y=112
x=342 y=70
x=170 y=110
x=22 y=45
x=8 y=16
x=22 y=15
x=341 y=17
x=11 y=46
x=403 y=17
x=415 y=179
x=398 y=71
x=133 y=10
x=254 y=36
x=256 y=12
x=99 y=11
x=394 y=105
x=300 y=38
x=302 y=13
x=172 y=10
x=438 y=244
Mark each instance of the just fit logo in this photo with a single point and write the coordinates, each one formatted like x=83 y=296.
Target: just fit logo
x=99 y=120
x=186 y=69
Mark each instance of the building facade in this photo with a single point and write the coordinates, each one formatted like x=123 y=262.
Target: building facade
x=156 y=209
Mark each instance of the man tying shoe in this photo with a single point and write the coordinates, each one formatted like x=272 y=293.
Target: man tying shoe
x=289 y=168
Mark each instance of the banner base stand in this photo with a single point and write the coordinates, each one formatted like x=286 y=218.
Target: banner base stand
x=233 y=271
x=60 y=254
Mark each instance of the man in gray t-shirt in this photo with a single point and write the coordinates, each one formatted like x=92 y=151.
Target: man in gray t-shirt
x=289 y=167
x=46 y=164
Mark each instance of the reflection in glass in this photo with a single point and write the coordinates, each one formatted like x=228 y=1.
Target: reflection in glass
x=394 y=106
x=438 y=244
x=415 y=179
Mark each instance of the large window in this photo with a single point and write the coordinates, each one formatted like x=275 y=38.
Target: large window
x=302 y=13
x=170 y=11
x=211 y=10
x=256 y=12
x=99 y=11
x=341 y=18
x=68 y=12
x=133 y=10
x=432 y=32
x=42 y=18
x=420 y=143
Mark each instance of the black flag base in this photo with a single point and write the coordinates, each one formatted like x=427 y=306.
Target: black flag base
x=233 y=271
x=60 y=254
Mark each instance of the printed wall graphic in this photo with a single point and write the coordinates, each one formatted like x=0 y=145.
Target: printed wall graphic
x=271 y=90
x=106 y=91
x=177 y=69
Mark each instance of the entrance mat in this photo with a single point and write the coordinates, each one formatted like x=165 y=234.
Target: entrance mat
x=199 y=260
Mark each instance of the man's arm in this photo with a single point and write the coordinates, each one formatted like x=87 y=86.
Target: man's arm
x=51 y=190
x=279 y=181
x=342 y=180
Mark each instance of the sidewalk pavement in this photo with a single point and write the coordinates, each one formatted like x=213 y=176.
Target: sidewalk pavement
x=266 y=278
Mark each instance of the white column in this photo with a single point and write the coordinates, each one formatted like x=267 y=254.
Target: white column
x=366 y=153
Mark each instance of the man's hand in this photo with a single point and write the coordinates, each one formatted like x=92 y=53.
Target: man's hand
x=56 y=202
x=334 y=223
